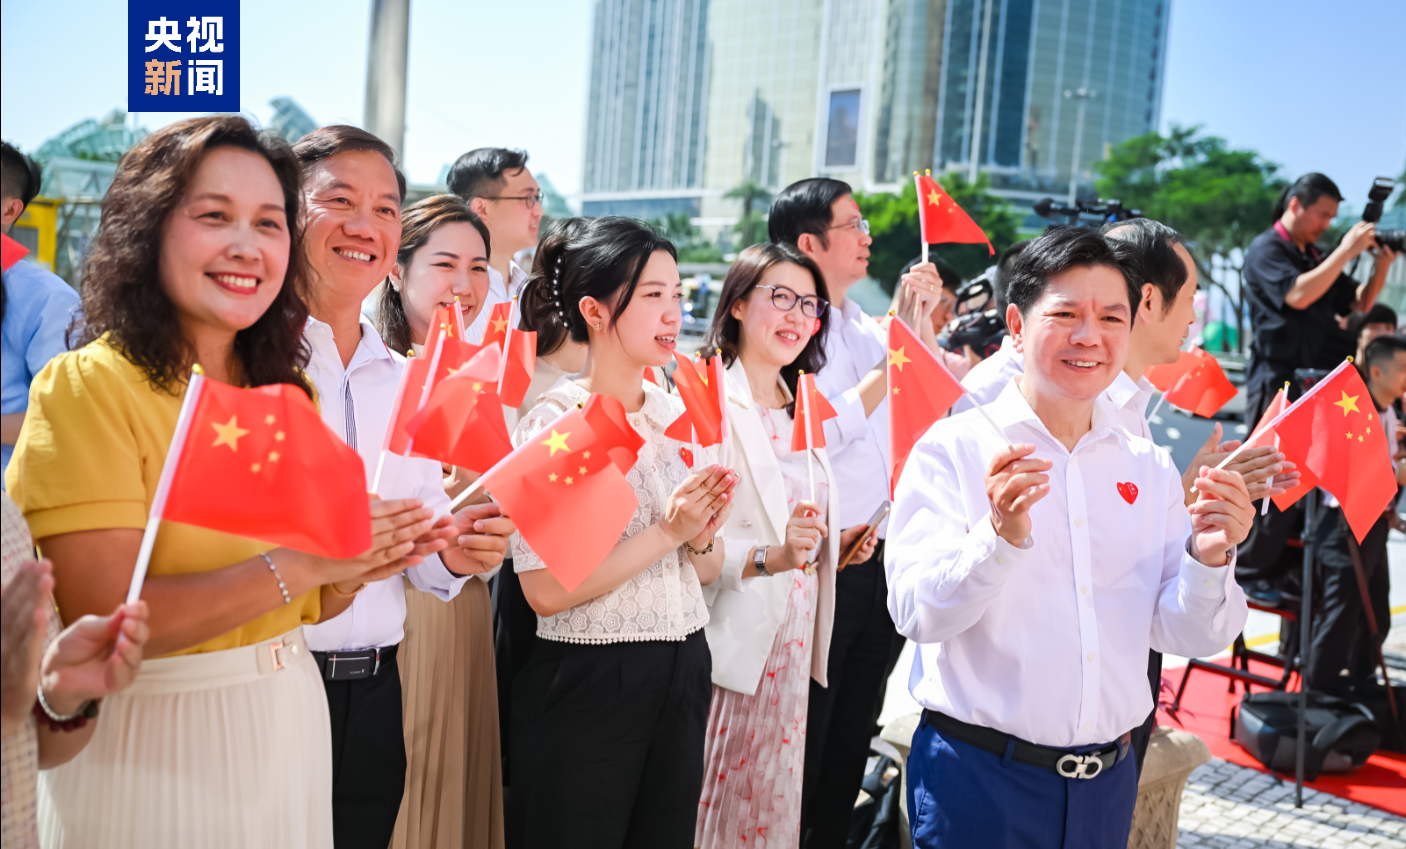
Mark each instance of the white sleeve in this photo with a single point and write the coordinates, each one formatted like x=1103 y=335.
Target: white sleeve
x=430 y=575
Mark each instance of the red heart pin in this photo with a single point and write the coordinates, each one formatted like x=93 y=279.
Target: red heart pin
x=687 y=456
x=1128 y=491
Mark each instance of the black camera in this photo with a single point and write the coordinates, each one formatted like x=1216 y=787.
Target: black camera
x=1082 y=214
x=977 y=324
x=1376 y=197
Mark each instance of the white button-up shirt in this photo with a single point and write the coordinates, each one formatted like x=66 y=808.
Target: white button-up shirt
x=1127 y=402
x=356 y=403
x=858 y=445
x=988 y=378
x=498 y=292
x=1049 y=641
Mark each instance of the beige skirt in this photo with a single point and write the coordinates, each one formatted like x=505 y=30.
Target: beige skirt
x=453 y=778
x=220 y=749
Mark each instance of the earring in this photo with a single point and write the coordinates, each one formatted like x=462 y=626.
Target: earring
x=598 y=326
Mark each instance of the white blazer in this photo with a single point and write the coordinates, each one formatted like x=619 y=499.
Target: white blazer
x=745 y=616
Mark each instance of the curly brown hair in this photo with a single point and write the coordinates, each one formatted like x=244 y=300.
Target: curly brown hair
x=122 y=293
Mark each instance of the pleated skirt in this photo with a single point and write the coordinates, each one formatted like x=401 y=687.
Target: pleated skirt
x=754 y=751
x=203 y=751
x=453 y=778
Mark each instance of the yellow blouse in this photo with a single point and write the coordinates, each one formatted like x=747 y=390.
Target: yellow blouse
x=89 y=458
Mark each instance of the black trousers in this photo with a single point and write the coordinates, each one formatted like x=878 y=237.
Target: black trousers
x=1265 y=553
x=1341 y=638
x=840 y=719
x=608 y=743
x=514 y=638
x=368 y=758
x=1142 y=735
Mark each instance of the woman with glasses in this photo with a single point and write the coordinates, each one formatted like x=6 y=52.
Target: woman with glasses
x=771 y=611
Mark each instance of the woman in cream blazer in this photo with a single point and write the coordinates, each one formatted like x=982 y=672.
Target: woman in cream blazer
x=771 y=610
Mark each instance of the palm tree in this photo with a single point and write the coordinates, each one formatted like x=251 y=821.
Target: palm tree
x=749 y=226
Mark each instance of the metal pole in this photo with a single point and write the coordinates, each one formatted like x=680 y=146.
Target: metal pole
x=387 y=59
x=980 y=94
x=1305 y=640
x=1082 y=95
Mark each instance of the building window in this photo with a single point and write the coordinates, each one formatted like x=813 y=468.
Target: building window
x=842 y=129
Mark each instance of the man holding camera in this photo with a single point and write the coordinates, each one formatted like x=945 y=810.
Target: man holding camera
x=1297 y=294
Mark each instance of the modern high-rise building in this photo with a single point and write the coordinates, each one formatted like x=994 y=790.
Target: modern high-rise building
x=690 y=98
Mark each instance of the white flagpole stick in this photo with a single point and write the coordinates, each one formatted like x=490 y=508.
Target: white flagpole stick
x=724 y=431
x=1269 y=484
x=424 y=399
x=163 y=486
x=478 y=484
x=507 y=340
x=1157 y=406
x=380 y=467
x=922 y=234
x=807 y=393
x=459 y=318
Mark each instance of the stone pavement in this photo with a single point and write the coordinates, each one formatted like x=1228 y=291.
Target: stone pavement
x=1227 y=806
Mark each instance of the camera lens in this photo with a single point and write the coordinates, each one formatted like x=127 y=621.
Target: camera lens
x=1394 y=239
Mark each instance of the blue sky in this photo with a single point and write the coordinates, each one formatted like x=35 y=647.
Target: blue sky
x=1309 y=85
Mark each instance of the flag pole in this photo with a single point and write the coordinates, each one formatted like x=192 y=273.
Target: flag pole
x=507 y=341
x=459 y=318
x=1269 y=484
x=724 y=431
x=922 y=231
x=478 y=484
x=1175 y=387
x=163 y=486
x=424 y=399
x=807 y=393
x=399 y=399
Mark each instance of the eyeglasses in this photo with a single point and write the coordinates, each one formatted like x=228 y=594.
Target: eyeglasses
x=860 y=224
x=784 y=299
x=532 y=201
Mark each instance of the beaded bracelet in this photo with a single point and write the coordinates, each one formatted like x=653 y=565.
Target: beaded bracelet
x=282 y=587
x=59 y=722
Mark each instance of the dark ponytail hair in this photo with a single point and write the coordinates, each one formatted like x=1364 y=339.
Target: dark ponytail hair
x=419 y=221
x=537 y=307
x=603 y=262
x=1308 y=189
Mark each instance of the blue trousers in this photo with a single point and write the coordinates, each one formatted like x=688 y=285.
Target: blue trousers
x=961 y=797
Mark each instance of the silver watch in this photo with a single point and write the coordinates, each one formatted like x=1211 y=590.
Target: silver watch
x=759 y=561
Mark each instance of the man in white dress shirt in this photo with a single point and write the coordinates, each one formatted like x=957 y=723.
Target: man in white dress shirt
x=1036 y=576
x=352 y=197
x=502 y=191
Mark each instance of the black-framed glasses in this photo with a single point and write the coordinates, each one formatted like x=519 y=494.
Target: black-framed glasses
x=860 y=224
x=785 y=300
x=532 y=201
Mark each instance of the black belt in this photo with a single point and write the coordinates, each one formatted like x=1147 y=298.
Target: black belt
x=1060 y=761
x=351 y=665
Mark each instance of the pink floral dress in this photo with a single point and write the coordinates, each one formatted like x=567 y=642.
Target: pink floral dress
x=754 y=751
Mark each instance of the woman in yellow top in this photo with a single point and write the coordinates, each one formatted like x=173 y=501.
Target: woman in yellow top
x=223 y=740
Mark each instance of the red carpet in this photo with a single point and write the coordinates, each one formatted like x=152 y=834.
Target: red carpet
x=1205 y=712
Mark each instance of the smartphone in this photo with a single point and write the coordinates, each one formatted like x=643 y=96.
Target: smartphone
x=874 y=521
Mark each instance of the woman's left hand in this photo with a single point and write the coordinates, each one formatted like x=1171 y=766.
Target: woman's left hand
x=94 y=657
x=866 y=551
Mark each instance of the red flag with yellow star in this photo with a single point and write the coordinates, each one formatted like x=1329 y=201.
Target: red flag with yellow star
x=497 y=329
x=1195 y=382
x=462 y=423
x=810 y=402
x=444 y=356
x=921 y=391
x=1334 y=433
x=259 y=463
x=942 y=220
x=1264 y=435
x=565 y=488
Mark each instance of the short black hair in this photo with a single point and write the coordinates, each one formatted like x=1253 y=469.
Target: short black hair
x=1308 y=189
x=1057 y=251
x=1147 y=246
x=1001 y=279
x=1381 y=351
x=326 y=142
x=480 y=172
x=804 y=207
x=20 y=176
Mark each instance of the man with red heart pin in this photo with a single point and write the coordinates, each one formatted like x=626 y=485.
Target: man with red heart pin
x=1037 y=562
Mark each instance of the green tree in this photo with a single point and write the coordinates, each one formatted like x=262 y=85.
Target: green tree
x=751 y=227
x=688 y=239
x=893 y=224
x=1218 y=197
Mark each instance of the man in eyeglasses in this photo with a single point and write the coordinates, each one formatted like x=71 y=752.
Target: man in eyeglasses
x=499 y=188
x=820 y=218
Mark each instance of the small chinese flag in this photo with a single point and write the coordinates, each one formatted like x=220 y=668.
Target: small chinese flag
x=11 y=252
x=810 y=406
x=462 y=423
x=565 y=488
x=1264 y=435
x=1195 y=382
x=649 y=376
x=518 y=364
x=942 y=220
x=921 y=391
x=697 y=384
x=417 y=386
x=448 y=321
x=1334 y=433
x=260 y=463
x=497 y=329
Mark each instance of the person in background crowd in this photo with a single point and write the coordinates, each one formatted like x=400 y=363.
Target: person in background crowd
x=988 y=378
x=352 y=192
x=908 y=304
x=769 y=622
x=1296 y=293
x=36 y=307
x=198 y=260
x=820 y=219
x=1021 y=574
x=1343 y=653
x=609 y=713
x=496 y=183
x=453 y=790
x=1363 y=327
x=94 y=657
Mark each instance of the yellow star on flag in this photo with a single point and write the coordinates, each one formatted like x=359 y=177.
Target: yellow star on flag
x=1348 y=403
x=499 y=324
x=582 y=470
x=557 y=442
x=269 y=419
x=586 y=454
x=568 y=481
x=273 y=456
x=552 y=477
x=278 y=437
x=895 y=390
x=229 y=433
x=935 y=199
x=1349 y=434
x=898 y=358
x=254 y=468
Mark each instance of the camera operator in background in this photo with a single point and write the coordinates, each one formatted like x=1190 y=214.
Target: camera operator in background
x=929 y=316
x=1299 y=298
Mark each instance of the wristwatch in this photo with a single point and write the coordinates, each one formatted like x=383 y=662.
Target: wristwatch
x=759 y=561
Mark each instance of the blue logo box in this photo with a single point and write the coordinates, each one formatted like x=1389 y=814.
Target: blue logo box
x=183 y=55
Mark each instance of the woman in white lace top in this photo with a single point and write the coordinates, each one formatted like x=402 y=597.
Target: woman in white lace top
x=608 y=715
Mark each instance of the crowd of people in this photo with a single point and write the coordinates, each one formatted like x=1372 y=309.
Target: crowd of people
x=717 y=679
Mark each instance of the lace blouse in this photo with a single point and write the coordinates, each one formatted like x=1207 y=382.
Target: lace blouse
x=663 y=602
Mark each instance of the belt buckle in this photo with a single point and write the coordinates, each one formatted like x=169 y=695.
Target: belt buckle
x=376 y=667
x=1079 y=766
x=273 y=654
